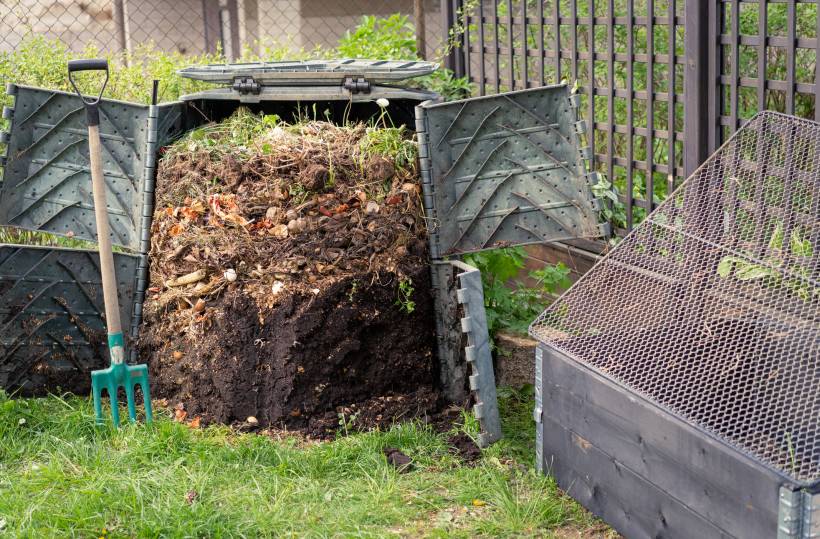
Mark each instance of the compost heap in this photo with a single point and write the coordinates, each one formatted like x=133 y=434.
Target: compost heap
x=290 y=277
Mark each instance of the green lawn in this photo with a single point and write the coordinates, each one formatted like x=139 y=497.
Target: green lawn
x=62 y=476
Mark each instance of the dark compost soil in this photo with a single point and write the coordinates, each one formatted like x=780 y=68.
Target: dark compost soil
x=305 y=363
x=287 y=293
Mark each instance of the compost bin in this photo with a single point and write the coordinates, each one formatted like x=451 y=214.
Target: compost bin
x=495 y=171
x=677 y=381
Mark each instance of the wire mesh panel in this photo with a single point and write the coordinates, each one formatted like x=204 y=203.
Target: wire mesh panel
x=711 y=307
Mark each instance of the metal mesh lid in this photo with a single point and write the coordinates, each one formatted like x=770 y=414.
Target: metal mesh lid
x=310 y=72
x=711 y=307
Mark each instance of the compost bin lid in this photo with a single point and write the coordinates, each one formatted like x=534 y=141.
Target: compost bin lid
x=310 y=80
x=310 y=72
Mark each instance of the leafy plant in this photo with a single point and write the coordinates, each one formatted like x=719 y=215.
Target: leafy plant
x=354 y=287
x=395 y=143
x=38 y=61
x=405 y=300
x=613 y=210
x=446 y=84
x=394 y=38
x=511 y=304
x=390 y=38
x=745 y=269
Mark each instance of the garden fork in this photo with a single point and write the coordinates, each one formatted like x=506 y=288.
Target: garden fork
x=118 y=374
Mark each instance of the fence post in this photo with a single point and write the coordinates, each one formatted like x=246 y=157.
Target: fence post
x=418 y=19
x=119 y=25
x=454 y=60
x=697 y=113
x=233 y=25
x=212 y=25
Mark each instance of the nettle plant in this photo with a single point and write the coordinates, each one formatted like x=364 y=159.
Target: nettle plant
x=509 y=303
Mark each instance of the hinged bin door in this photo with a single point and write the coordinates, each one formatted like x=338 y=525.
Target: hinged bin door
x=46 y=183
x=505 y=170
x=52 y=327
x=52 y=331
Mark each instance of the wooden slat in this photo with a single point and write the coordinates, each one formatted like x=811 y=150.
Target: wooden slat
x=670 y=113
x=591 y=83
x=567 y=54
x=524 y=66
x=630 y=117
x=790 y=54
x=650 y=105
x=482 y=87
x=610 y=103
x=714 y=62
x=541 y=43
x=734 y=94
x=761 y=55
x=510 y=37
x=573 y=22
x=557 y=30
x=497 y=47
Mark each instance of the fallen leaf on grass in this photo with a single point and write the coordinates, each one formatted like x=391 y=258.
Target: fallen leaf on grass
x=479 y=503
x=194 y=424
x=179 y=412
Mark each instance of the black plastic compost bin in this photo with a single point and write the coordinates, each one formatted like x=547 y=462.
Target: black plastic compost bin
x=51 y=327
x=496 y=171
x=678 y=382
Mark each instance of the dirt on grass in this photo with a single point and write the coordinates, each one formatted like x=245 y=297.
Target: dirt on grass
x=290 y=278
x=464 y=447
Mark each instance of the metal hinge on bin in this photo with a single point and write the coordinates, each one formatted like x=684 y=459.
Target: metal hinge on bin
x=358 y=85
x=246 y=85
x=799 y=514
